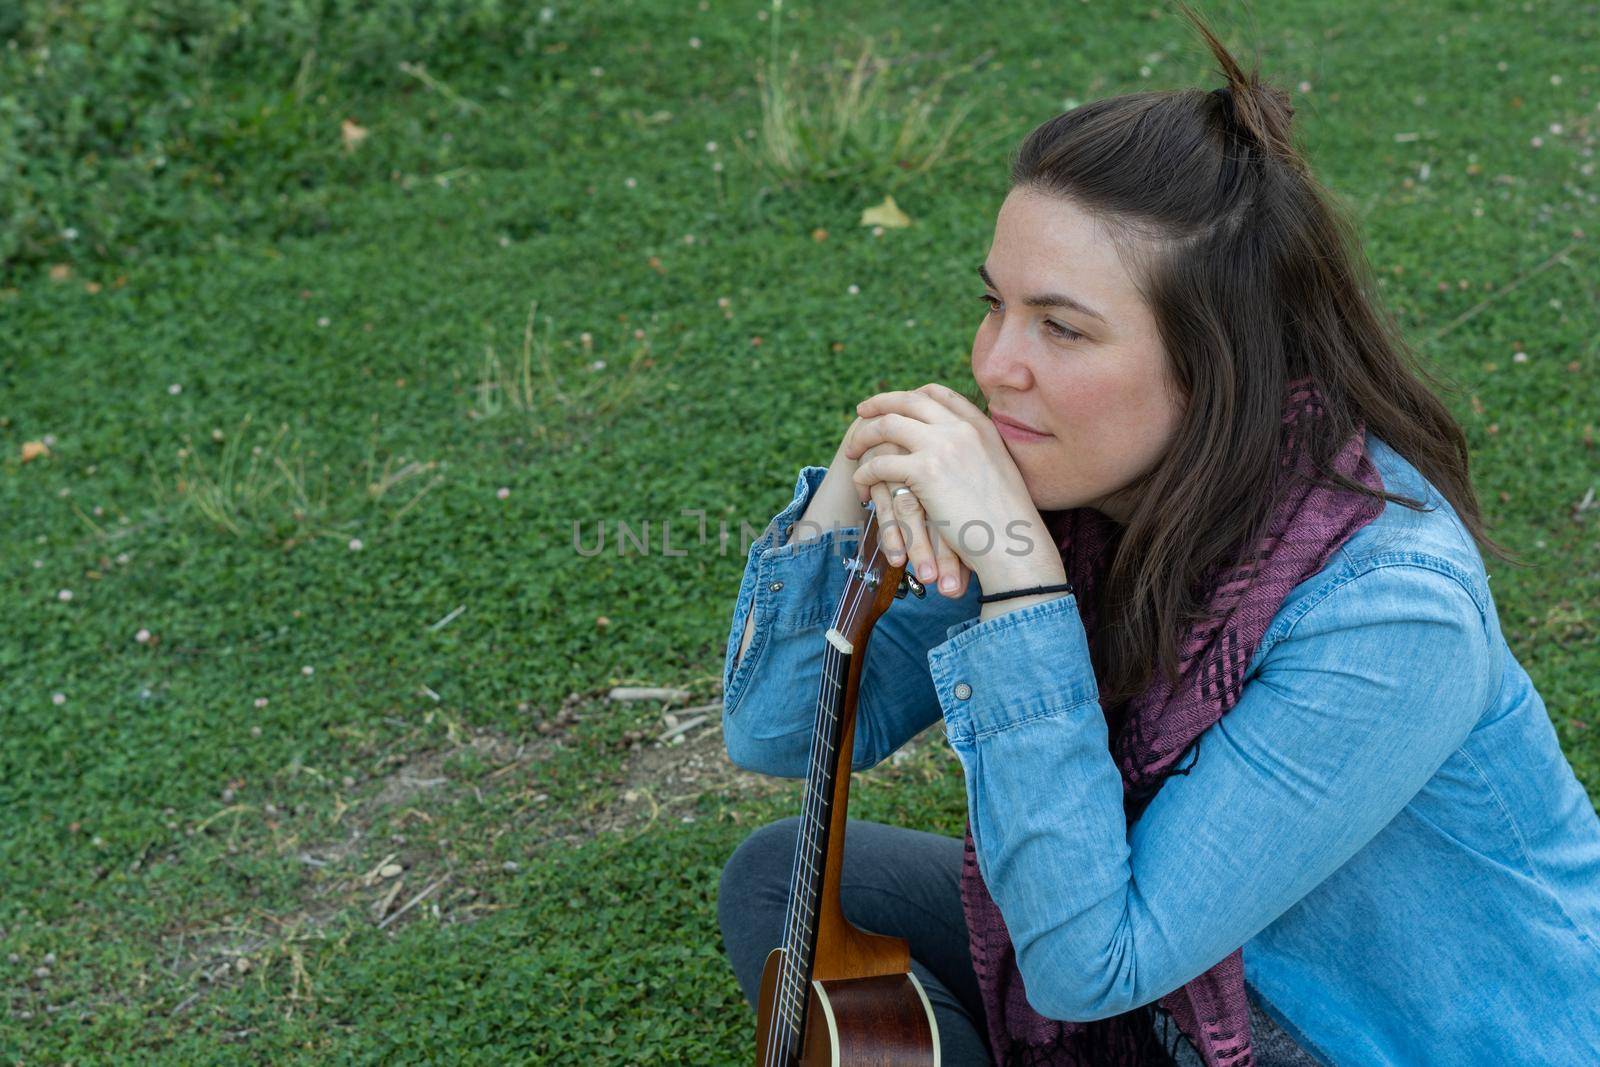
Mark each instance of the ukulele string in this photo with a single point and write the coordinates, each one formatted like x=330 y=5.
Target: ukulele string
x=788 y=997
x=789 y=993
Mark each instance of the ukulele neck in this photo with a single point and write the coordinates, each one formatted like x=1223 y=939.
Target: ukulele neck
x=811 y=848
x=871 y=587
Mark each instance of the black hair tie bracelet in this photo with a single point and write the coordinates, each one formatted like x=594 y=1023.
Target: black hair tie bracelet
x=1065 y=587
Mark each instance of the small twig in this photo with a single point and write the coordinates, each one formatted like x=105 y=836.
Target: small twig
x=409 y=504
x=382 y=907
x=683 y=727
x=655 y=811
x=647 y=693
x=1486 y=301
x=414 y=901
x=417 y=71
x=372 y=875
x=442 y=623
x=513 y=765
x=214 y=816
x=94 y=525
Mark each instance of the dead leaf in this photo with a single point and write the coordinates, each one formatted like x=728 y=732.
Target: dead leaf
x=352 y=134
x=32 y=450
x=60 y=272
x=887 y=214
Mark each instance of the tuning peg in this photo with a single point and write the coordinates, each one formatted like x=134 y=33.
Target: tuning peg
x=909 y=580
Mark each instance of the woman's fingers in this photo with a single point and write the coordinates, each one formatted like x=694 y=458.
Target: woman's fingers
x=890 y=535
x=891 y=538
x=916 y=543
x=885 y=467
x=913 y=523
x=952 y=572
x=903 y=532
x=955 y=401
x=912 y=403
x=902 y=430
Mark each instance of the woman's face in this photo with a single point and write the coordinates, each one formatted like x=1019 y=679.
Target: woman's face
x=1103 y=398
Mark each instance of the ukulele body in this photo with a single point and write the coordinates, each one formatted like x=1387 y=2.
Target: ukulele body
x=884 y=1020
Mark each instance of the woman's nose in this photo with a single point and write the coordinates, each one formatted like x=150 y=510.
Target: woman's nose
x=1000 y=365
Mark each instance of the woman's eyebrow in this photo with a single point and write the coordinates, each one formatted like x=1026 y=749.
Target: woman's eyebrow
x=1045 y=300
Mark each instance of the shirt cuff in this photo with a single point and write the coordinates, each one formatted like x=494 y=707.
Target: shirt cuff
x=995 y=674
x=773 y=539
x=790 y=587
x=798 y=585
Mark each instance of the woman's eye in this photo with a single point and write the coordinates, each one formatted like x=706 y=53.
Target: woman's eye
x=1066 y=333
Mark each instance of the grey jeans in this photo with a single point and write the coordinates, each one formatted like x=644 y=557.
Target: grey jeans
x=904 y=883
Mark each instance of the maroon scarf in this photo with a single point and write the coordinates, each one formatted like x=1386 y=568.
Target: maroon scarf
x=1308 y=525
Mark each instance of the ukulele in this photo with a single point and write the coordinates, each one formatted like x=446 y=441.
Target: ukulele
x=834 y=995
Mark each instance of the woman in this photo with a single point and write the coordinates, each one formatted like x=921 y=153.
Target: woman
x=1252 y=775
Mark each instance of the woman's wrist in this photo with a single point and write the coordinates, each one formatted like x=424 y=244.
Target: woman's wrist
x=1001 y=572
x=1026 y=556
x=833 y=506
x=1020 y=580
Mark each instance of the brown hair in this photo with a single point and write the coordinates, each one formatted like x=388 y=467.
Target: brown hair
x=1254 y=279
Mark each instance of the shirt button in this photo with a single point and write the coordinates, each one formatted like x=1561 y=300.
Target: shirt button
x=775 y=586
x=963 y=690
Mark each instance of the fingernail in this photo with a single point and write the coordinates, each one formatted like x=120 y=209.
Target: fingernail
x=947 y=583
x=926 y=572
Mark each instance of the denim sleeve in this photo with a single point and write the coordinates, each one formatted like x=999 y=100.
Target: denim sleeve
x=769 y=697
x=1349 y=714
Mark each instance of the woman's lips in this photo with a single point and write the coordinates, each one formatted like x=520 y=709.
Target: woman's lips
x=1012 y=431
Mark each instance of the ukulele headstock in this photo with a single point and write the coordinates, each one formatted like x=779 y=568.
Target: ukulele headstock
x=873 y=583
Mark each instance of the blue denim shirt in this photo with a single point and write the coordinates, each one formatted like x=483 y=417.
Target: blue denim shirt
x=1385 y=820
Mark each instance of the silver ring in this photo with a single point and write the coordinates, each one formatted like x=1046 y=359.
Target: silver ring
x=898 y=490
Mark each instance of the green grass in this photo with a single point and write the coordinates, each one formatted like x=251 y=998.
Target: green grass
x=161 y=827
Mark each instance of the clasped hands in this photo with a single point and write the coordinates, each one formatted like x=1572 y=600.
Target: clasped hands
x=969 y=510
